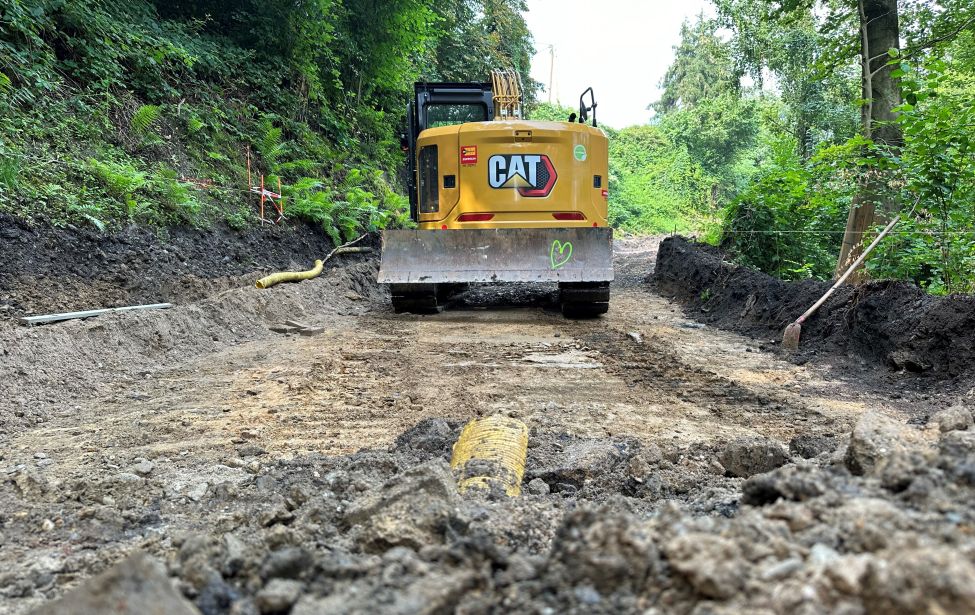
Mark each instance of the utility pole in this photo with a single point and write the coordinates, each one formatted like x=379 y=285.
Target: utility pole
x=551 y=71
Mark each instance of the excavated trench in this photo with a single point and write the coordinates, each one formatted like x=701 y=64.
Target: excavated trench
x=209 y=459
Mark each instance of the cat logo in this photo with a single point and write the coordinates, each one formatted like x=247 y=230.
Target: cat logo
x=531 y=174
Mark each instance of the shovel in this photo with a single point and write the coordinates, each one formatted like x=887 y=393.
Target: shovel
x=790 y=339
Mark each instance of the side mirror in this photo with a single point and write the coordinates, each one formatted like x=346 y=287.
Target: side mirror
x=584 y=110
x=404 y=143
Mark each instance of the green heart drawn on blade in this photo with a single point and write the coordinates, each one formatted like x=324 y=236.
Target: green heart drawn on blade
x=561 y=253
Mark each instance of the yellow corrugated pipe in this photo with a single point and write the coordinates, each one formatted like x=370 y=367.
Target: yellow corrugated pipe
x=491 y=452
x=290 y=276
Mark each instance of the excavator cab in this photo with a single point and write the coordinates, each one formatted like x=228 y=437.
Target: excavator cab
x=498 y=198
x=441 y=104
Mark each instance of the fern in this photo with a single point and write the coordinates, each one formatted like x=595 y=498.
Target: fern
x=269 y=142
x=91 y=213
x=145 y=119
x=120 y=179
x=311 y=200
x=14 y=96
x=9 y=170
x=194 y=124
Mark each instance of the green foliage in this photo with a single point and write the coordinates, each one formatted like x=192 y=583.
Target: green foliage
x=788 y=191
x=936 y=247
x=478 y=36
x=238 y=219
x=9 y=170
x=702 y=68
x=177 y=199
x=269 y=143
x=675 y=174
x=361 y=202
x=194 y=124
x=316 y=88
x=546 y=112
x=785 y=223
x=654 y=185
x=715 y=131
x=122 y=180
x=145 y=119
x=91 y=213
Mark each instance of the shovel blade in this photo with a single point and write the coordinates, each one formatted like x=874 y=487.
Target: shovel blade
x=790 y=339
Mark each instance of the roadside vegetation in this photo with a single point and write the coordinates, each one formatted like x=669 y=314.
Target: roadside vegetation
x=771 y=137
x=117 y=112
x=783 y=142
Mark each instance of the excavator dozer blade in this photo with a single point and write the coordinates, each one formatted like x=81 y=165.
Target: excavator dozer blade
x=497 y=255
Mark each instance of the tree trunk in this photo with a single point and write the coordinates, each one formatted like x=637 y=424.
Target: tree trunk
x=879 y=32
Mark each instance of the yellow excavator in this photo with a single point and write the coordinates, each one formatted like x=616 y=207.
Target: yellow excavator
x=498 y=198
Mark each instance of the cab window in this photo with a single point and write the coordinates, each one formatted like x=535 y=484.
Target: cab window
x=449 y=115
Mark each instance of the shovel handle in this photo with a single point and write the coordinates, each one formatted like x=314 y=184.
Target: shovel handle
x=849 y=271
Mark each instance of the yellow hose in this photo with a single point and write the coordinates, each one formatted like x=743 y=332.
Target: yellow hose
x=290 y=276
x=491 y=452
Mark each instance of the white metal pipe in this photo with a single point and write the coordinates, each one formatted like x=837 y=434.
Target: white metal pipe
x=36 y=320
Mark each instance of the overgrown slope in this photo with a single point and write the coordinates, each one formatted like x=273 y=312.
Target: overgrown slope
x=117 y=112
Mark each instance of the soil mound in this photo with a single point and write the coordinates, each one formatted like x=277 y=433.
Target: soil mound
x=892 y=323
x=45 y=269
x=55 y=365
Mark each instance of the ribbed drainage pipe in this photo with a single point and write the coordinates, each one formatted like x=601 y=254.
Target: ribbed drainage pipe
x=290 y=276
x=490 y=454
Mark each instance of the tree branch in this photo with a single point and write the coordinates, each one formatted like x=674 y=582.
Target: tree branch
x=931 y=42
x=867 y=77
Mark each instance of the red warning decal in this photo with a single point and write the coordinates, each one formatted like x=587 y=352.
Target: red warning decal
x=468 y=155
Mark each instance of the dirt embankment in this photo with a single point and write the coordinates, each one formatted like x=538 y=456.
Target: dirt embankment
x=894 y=324
x=45 y=269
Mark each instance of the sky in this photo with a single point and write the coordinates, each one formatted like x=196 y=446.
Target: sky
x=621 y=48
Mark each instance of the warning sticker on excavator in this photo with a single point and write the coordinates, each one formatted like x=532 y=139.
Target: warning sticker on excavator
x=468 y=155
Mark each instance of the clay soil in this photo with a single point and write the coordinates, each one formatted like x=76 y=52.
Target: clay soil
x=672 y=467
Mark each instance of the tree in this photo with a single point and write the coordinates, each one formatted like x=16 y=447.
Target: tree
x=820 y=104
x=879 y=44
x=477 y=36
x=702 y=68
x=702 y=108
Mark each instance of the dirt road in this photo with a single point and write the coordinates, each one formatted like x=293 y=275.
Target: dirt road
x=644 y=371
x=136 y=431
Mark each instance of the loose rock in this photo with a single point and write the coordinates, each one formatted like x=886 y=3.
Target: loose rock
x=956 y=418
x=143 y=468
x=137 y=586
x=537 y=486
x=873 y=440
x=711 y=564
x=747 y=456
x=278 y=595
x=413 y=509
